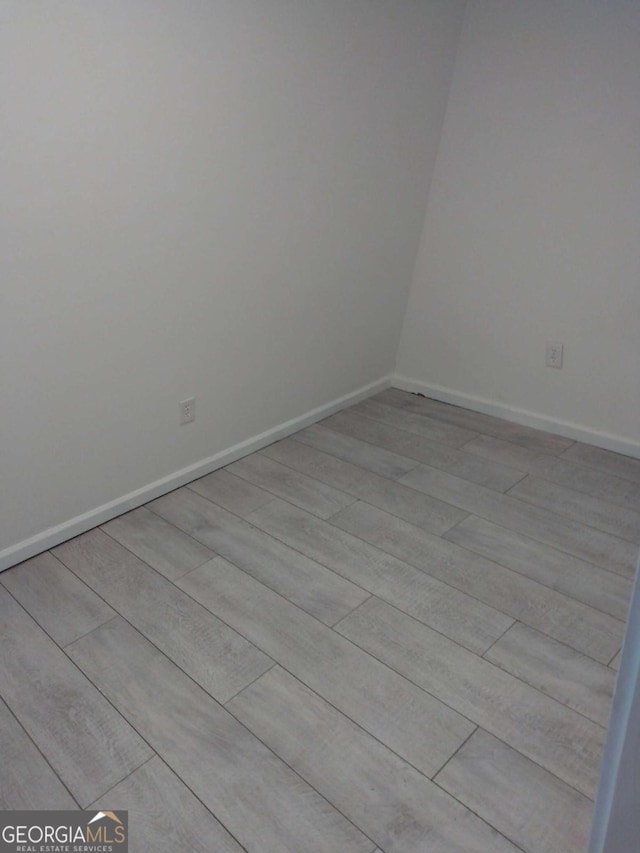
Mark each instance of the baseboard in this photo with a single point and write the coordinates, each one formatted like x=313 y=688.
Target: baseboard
x=101 y=514
x=520 y=416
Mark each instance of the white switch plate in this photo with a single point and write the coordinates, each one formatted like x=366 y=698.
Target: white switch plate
x=554 y=355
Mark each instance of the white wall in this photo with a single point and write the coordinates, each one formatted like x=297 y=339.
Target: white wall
x=210 y=198
x=532 y=232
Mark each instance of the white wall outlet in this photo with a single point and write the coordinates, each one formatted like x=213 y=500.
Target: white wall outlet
x=554 y=355
x=188 y=410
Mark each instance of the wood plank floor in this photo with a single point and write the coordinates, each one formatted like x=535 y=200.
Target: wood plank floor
x=396 y=631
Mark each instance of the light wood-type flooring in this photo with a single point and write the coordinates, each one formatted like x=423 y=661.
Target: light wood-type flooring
x=395 y=631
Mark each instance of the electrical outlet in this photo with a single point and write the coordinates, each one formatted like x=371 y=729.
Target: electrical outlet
x=188 y=410
x=554 y=355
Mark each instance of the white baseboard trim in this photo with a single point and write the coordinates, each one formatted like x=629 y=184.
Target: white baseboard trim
x=520 y=416
x=52 y=536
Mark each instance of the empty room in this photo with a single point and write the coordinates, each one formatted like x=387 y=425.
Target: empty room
x=320 y=430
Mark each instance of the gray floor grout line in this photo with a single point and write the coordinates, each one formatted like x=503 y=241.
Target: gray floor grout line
x=44 y=757
x=603 y=726
x=435 y=421
x=310 y=615
x=271 y=536
x=444 y=422
x=453 y=506
x=444 y=532
x=527 y=505
x=538 y=542
x=83 y=582
x=454 y=753
x=600 y=468
x=66 y=654
x=419 y=462
x=497 y=639
x=313 y=690
x=533 y=580
x=201 y=687
x=146 y=506
x=512 y=487
x=364 y=589
x=246 y=686
x=552 y=639
x=366 y=470
x=445 y=503
x=614 y=657
x=120 y=615
x=351 y=612
x=438 y=446
x=484 y=820
x=364 y=441
x=124 y=778
x=620 y=502
x=552 y=456
x=525 y=499
x=458 y=589
x=420 y=688
x=147 y=564
x=478 y=726
x=298 y=773
x=182 y=782
x=358 y=725
x=417 y=568
x=343 y=577
x=533 y=761
x=480 y=657
x=155 y=752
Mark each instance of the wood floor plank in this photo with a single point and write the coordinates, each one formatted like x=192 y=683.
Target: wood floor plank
x=218 y=658
x=313 y=587
x=615 y=663
x=157 y=543
x=599 y=588
x=376 y=459
x=59 y=601
x=393 y=804
x=547 y=732
x=89 y=745
x=498 y=450
x=432 y=514
x=233 y=493
x=428 y=428
x=582 y=541
x=263 y=803
x=308 y=493
x=164 y=816
x=536 y=810
x=586 y=509
x=558 y=469
x=557 y=670
x=411 y=723
x=27 y=781
x=584 y=628
x=605 y=460
x=493 y=475
x=454 y=613
x=477 y=421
